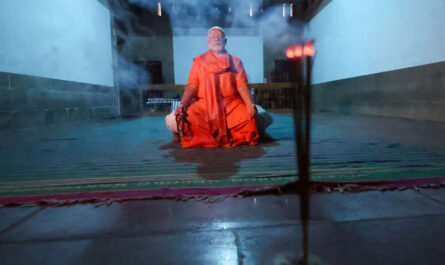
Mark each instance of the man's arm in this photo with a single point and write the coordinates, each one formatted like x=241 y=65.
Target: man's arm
x=190 y=93
x=245 y=96
x=243 y=88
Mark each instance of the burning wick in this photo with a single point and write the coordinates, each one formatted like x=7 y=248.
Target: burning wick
x=298 y=51
x=159 y=9
x=309 y=49
x=290 y=53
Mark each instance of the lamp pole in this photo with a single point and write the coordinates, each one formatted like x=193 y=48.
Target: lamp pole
x=300 y=65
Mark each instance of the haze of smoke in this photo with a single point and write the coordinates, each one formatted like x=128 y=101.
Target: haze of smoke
x=277 y=32
x=130 y=75
x=276 y=29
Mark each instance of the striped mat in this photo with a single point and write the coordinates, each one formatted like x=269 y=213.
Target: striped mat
x=136 y=159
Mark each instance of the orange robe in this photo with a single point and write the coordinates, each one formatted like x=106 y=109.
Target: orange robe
x=219 y=117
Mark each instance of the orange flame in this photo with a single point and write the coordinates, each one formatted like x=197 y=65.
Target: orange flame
x=309 y=49
x=298 y=51
x=290 y=52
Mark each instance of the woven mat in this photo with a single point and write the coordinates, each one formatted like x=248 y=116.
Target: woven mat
x=136 y=159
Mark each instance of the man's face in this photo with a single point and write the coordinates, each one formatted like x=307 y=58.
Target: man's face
x=216 y=40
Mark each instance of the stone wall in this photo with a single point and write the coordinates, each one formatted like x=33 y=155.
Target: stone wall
x=30 y=101
x=413 y=93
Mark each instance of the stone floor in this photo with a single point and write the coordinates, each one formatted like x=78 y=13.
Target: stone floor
x=393 y=227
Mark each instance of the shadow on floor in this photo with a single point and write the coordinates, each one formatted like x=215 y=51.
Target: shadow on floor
x=216 y=163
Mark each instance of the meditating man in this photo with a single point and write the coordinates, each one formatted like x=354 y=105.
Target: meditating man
x=216 y=109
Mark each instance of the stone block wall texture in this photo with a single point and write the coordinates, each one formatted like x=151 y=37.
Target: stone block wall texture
x=30 y=101
x=413 y=93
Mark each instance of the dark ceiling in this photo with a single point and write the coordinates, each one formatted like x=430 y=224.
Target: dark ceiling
x=141 y=17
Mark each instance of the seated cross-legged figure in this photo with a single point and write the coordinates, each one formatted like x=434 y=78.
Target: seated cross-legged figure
x=216 y=109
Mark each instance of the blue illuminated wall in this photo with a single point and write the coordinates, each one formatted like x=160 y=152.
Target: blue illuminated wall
x=380 y=57
x=356 y=38
x=55 y=63
x=66 y=40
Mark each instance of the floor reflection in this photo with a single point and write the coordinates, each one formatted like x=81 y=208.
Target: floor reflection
x=215 y=163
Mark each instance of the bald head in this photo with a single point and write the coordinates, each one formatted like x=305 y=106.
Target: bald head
x=216 y=28
x=216 y=39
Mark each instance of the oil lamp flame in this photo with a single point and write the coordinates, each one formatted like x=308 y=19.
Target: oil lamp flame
x=309 y=49
x=301 y=50
x=298 y=51
x=290 y=52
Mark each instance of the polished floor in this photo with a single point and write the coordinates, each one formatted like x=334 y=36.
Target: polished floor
x=393 y=227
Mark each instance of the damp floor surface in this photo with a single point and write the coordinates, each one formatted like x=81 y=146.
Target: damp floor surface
x=392 y=227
